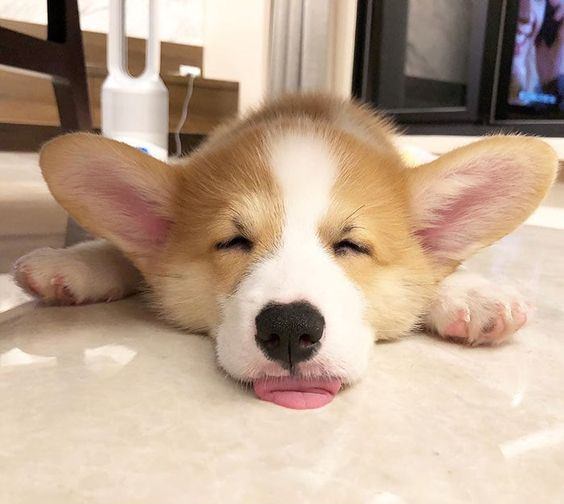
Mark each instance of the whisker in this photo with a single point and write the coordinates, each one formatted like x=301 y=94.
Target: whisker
x=355 y=212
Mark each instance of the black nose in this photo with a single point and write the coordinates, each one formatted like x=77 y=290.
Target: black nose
x=289 y=333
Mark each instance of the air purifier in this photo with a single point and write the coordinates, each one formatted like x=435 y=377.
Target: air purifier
x=135 y=109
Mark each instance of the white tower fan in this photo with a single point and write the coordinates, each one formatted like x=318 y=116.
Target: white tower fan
x=135 y=109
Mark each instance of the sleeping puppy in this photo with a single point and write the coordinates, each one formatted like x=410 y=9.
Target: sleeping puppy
x=295 y=237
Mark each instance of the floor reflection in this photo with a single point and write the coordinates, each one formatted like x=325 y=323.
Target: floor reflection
x=17 y=357
x=108 y=358
x=545 y=438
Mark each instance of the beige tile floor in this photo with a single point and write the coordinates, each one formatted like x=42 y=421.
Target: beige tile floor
x=104 y=404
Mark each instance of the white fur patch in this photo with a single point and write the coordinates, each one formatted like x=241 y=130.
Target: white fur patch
x=299 y=269
x=305 y=171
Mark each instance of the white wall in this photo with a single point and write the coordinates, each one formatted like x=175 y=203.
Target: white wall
x=236 y=45
x=182 y=19
x=344 y=27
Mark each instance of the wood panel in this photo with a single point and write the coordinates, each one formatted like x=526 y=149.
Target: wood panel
x=30 y=138
x=26 y=99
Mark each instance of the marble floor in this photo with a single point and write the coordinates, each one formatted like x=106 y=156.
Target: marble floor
x=105 y=404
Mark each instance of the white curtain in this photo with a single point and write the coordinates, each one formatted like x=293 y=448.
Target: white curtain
x=300 y=45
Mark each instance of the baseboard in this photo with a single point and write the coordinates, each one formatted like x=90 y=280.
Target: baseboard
x=30 y=138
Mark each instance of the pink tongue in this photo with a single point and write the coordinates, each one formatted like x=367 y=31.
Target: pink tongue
x=297 y=393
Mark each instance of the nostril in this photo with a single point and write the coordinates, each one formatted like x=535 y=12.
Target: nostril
x=270 y=341
x=306 y=341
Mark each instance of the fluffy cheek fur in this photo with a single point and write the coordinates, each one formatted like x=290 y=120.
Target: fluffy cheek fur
x=396 y=297
x=185 y=292
x=191 y=290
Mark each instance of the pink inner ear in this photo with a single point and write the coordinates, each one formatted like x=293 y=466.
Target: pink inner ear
x=146 y=224
x=127 y=214
x=463 y=220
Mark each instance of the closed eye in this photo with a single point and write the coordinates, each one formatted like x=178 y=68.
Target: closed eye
x=238 y=242
x=345 y=247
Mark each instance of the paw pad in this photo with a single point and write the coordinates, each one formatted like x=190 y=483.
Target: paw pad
x=48 y=290
x=477 y=312
x=62 y=292
x=458 y=328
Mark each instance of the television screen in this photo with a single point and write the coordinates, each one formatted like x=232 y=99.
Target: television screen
x=537 y=71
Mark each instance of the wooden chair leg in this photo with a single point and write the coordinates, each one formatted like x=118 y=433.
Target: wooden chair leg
x=73 y=105
x=71 y=92
x=75 y=233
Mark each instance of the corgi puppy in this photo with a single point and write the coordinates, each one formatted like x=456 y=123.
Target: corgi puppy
x=296 y=237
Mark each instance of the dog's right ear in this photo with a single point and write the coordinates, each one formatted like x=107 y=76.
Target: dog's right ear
x=112 y=190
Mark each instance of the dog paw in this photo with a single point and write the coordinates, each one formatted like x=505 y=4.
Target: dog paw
x=67 y=277
x=473 y=310
x=40 y=275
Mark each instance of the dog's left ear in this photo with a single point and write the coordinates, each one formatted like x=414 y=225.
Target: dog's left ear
x=474 y=195
x=113 y=190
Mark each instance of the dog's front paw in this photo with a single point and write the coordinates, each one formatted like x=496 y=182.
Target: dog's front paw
x=53 y=290
x=68 y=276
x=471 y=309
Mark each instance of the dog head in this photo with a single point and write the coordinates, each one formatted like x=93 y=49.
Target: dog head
x=294 y=242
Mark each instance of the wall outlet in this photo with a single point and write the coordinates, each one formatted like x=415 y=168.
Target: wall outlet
x=186 y=70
